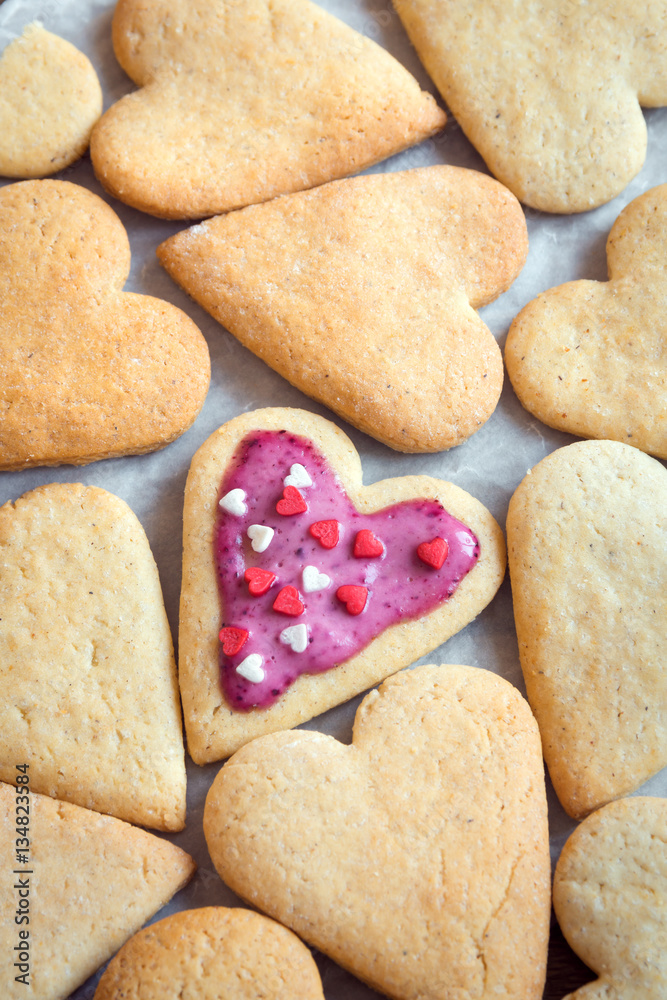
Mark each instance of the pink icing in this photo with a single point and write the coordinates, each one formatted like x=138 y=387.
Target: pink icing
x=400 y=586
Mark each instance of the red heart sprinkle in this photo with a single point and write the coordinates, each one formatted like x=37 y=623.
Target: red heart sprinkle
x=433 y=553
x=354 y=598
x=326 y=532
x=232 y=639
x=292 y=502
x=288 y=602
x=366 y=545
x=259 y=580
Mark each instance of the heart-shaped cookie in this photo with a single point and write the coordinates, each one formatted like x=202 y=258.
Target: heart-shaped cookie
x=211 y=953
x=50 y=98
x=91 y=881
x=591 y=357
x=548 y=92
x=86 y=371
x=408 y=607
x=418 y=856
x=363 y=293
x=379 y=565
x=88 y=689
x=240 y=102
x=610 y=897
x=587 y=540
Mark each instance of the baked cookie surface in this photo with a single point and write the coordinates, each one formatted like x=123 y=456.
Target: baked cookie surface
x=92 y=881
x=50 y=98
x=242 y=101
x=362 y=293
x=416 y=857
x=587 y=546
x=589 y=357
x=88 y=689
x=87 y=371
x=215 y=728
x=610 y=897
x=210 y=953
x=549 y=92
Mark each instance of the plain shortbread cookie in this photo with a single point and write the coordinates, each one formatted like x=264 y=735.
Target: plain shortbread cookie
x=210 y=954
x=591 y=357
x=50 y=98
x=242 y=100
x=610 y=897
x=88 y=689
x=549 y=92
x=87 y=371
x=587 y=544
x=363 y=294
x=416 y=858
x=93 y=881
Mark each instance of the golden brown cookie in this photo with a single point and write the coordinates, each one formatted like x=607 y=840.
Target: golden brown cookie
x=417 y=857
x=50 y=98
x=591 y=358
x=87 y=371
x=88 y=689
x=242 y=101
x=610 y=897
x=405 y=609
x=90 y=882
x=548 y=92
x=363 y=293
x=587 y=542
x=211 y=953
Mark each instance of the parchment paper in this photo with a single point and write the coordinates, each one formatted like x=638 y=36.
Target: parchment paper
x=490 y=465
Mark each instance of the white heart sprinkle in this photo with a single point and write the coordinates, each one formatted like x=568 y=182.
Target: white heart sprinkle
x=298 y=476
x=251 y=668
x=314 y=580
x=234 y=502
x=295 y=636
x=260 y=536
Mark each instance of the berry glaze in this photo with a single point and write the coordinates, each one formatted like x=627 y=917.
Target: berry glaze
x=399 y=584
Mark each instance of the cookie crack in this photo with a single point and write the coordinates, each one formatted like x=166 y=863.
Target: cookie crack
x=494 y=915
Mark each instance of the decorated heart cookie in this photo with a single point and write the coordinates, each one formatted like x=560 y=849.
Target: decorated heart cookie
x=50 y=98
x=88 y=689
x=240 y=102
x=548 y=92
x=591 y=358
x=86 y=371
x=211 y=953
x=363 y=294
x=418 y=856
x=88 y=883
x=587 y=540
x=262 y=631
x=610 y=897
